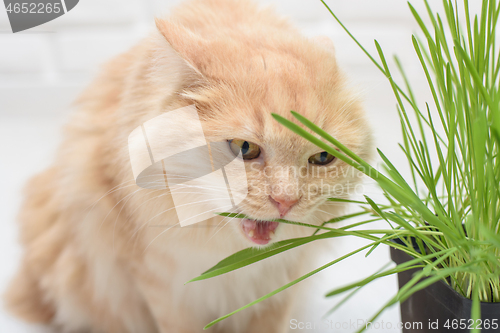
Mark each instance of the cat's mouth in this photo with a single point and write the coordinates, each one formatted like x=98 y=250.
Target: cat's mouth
x=259 y=232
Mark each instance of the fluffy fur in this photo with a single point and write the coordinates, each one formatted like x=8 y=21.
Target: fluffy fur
x=103 y=255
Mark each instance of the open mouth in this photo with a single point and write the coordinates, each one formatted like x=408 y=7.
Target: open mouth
x=259 y=232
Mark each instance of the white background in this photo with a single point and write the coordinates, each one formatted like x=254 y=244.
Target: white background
x=43 y=69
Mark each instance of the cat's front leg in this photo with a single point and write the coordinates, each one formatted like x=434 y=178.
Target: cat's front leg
x=272 y=319
x=170 y=315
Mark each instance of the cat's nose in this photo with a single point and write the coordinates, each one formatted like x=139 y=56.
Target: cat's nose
x=283 y=204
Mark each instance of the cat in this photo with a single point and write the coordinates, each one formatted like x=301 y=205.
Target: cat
x=104 y=255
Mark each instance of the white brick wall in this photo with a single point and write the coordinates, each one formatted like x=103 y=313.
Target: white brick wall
x=68 y=50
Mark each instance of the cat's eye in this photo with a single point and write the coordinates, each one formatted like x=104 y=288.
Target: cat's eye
x=322 y=158
x=248 y=150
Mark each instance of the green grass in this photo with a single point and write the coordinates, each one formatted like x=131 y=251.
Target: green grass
x=451 y=203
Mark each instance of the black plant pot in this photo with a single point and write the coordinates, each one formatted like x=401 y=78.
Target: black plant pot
x=439 y=308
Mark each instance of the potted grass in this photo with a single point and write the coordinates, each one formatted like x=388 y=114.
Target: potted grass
x=443 y=222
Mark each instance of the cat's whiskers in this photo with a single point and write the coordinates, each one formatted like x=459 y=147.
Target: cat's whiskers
x=114 y=189
x=168 y=191
x=127 y=197
x=161 y=233
x=177 y=206
x=178 y=223
x=229 y=220
x=116 y=204
x=118 y=215
x=324 y=211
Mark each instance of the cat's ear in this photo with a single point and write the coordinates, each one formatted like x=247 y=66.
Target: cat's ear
x=173 y=65
x=325 y=42
x=182 y=41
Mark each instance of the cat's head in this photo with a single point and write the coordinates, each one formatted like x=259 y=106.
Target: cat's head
x=236 y=81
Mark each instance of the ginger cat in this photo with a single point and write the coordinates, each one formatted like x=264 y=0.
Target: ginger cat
x=104 y=255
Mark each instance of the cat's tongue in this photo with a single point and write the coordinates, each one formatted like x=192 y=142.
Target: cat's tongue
x=259 y=232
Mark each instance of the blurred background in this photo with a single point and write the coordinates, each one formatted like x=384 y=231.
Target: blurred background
x=43 y=69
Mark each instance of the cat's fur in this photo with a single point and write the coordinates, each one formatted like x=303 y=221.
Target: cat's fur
x=98 y=257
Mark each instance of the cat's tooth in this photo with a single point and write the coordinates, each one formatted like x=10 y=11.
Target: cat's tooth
x=271 y=234
x=250 y=233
